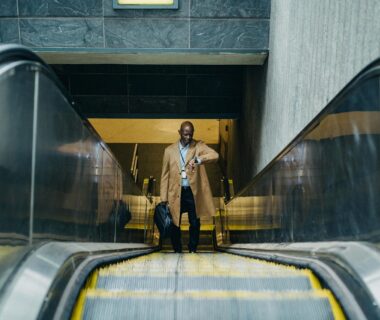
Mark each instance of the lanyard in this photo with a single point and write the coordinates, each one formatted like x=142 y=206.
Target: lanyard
x=180 y=152
x=185 y=163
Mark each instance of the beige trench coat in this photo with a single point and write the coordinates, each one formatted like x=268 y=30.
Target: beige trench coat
x=170 y=188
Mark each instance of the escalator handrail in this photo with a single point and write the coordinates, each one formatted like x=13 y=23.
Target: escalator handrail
x=15 y=52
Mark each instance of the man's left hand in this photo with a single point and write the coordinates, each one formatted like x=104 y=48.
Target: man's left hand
x=192 y=164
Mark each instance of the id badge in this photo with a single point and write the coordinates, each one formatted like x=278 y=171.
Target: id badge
x=183 y=174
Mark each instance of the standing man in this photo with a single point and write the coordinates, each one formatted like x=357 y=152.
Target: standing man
x=184 y=184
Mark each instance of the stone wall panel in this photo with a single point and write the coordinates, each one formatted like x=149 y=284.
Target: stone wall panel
x=60 y=8
x=229 y=34
x=146 y=33
x=9 y=32
x=62 y=33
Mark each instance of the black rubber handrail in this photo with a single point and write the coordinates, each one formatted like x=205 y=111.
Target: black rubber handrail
x=15 y=52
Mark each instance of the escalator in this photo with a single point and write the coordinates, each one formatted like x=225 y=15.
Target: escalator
x=204 y=286
x=298 y=242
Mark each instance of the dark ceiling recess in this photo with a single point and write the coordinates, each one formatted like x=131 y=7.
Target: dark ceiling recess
x=154 y=91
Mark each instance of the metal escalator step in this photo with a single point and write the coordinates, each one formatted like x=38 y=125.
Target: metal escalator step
x=196 y=264
x=183 y=283
x=201 y=305
x=136 y=283
x=203 y=273
x=198 y=286
x=249 y=283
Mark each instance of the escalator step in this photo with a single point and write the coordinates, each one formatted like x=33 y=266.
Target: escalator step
x=195 y=264
x=202 y=305
x=182 y=283
x=204 y=285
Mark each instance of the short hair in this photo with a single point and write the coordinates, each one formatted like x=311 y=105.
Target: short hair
x=187 y=123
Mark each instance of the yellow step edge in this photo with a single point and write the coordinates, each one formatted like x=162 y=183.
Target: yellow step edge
x=90 y=285
x=141 y=226
x=203 y=266
x=93 y=280
x=205 y=270
x=336 y=309
x=137 y=226
x=315 y=284
x=204 y=227
x=208 y=294
x=79 y=305
x=216 y=274
x=251 y=227
x=205 y=257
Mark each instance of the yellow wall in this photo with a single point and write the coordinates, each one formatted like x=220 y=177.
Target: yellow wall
x=153 y=130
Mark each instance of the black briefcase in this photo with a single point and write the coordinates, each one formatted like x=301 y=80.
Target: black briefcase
x=163 y=219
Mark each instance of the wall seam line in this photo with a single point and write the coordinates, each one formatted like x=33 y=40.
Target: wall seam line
x=104 y=21
x=18 y=22
x=189 y=41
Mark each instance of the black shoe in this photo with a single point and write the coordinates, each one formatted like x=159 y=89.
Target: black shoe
x=177 y=251
x=192 y=251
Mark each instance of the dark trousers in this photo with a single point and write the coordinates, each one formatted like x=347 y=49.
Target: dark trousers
x=187 y=205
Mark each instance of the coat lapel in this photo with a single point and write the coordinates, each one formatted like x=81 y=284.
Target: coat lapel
x=191 y=151
x=177 y=156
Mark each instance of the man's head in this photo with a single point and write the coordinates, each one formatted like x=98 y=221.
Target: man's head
x=186 y=132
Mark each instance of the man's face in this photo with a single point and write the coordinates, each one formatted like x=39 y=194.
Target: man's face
x=186 y=133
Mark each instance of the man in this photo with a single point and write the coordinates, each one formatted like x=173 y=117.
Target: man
x=184 y=184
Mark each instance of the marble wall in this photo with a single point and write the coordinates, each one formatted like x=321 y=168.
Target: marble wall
x=218 y=24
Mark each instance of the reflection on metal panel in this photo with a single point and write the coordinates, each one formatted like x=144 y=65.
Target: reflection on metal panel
x=78 y=184
x=59 y=181
x=141 y=224
x=325 y=186
x=16 y=118
x=346 y=124
x=62 y=191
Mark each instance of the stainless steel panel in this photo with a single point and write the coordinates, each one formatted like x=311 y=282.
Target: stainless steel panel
x=76 y=176
x=31 y=284
x=107 y=195
x=63 y=206
x=16 y=121
x=326 y=186
x=58 y=180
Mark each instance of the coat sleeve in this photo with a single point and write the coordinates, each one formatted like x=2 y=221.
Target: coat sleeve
x=205 y=153
x=164 y=177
